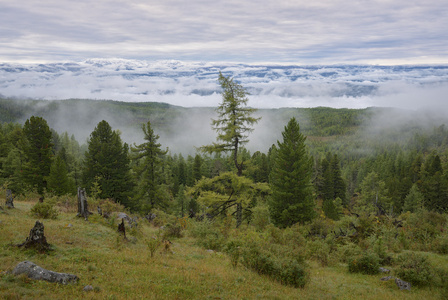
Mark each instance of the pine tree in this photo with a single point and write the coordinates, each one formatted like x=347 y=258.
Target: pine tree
x=107 y=162
x=148 y=161
x=292 y=194
x=38 y=150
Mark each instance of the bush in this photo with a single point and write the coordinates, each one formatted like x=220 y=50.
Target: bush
x=207 y=235
x=260 y=217
x=44 y=210
x=367 y=263
x=288 y=272
x=171 y=230
x=233 y=249
x=440 y=244
x=415 y=268
x=319 y=251
x=293 y=273
x=345 y=253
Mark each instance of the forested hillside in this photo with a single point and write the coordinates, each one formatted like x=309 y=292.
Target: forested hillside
x=336 y=181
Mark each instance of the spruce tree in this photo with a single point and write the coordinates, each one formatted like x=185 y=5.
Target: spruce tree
x=147 y=158
x=107 y=163
x=38 y=150
x=292 y=193
x=58 y=181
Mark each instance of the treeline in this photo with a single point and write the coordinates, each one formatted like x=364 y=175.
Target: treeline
x=353 y=173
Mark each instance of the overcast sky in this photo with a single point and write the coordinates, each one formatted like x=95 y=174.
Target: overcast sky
x=280 y=31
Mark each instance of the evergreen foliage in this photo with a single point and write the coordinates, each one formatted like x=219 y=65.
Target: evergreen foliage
x=58 y=181
x=148 y=159
x=107 y=162
x=292 y=193
x=38 y=151
x=234 y=121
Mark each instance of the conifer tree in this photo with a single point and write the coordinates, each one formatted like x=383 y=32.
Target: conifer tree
x=292 y=194
x=234 y=121
x=38 y=150
x=107 y=163
x=58 y=181
x=148 y=160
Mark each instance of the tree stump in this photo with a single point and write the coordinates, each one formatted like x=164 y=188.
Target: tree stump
x=82 y=204
x=121 y=228
x=36 y=239
x=9 y=199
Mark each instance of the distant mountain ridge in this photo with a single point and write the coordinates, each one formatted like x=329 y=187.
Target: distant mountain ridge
x=182 y=129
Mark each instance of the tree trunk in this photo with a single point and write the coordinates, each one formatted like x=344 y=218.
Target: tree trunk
x=121 y=228
x=239 y=214
x=9 y=199
x=82 y=204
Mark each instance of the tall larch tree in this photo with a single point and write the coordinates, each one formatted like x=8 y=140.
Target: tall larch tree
x=234 y=121
x=292 y=198
x=106 y=163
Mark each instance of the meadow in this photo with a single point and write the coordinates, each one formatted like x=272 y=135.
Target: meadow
x=183 y=269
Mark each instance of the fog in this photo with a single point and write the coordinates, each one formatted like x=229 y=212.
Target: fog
x=417 y=94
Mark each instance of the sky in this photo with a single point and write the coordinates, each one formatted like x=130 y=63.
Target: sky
x=387 y=32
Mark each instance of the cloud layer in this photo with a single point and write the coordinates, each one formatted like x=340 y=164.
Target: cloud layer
x=195 y=84
x=310 y=32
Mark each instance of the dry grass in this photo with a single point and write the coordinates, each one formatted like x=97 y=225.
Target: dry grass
x=119 y=269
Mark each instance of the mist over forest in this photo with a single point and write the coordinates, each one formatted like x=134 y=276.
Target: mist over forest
x=183 y=129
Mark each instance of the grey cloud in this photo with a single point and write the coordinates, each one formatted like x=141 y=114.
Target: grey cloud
x=275 y=31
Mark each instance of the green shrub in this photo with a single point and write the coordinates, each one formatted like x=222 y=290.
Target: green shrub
x=293 y=273
x=233 y=249
x=288 y=272
x=440 y=244
x=345 y=253
x=415 y=268
x=260 y=217
x=207 y=235
x=367 y=263
x=44 y=210
x=173 y=231
x=318 y=250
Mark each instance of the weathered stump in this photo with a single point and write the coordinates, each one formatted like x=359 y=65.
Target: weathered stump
x=83 y=210
x=33 y=271
x=36 y=239
x=9 y=199
x=121 y=228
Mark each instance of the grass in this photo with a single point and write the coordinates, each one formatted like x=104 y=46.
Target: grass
x=119 y=269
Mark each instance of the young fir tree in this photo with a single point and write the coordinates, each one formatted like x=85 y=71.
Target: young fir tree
x=234 y=121
x=38 y=150
x=292 y=193
x=148 y=160
x=106 y=162
x=58 y=181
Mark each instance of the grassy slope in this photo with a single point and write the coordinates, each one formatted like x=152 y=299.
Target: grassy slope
x=124 y=270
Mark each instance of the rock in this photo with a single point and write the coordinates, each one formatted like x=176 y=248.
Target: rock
x=386 y=278
x=122 y=215
x=33 y=271
x=384 y=270
x=88 y=288
x=403 y=285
